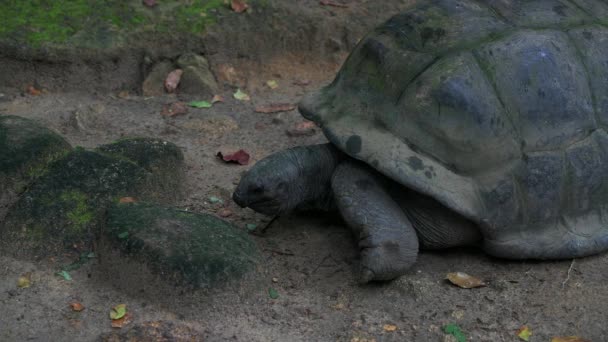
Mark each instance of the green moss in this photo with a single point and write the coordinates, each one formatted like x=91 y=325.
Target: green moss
x=196 y=17
x=58 y=21
x=81 y=214
x=198 y=249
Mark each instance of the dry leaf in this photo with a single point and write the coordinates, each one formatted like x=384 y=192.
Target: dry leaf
x=272 y=84
x=275 y=108
x=118 y=311
x=389 y=327
x=217 y=98
x=241 y=96
x=306 y=128
x=569 y=339
x=25 y=280
x=172 y=80
x=127 y=200
x=175 y=108
x=224 y=212
x=76 y=306
x=149 y=3
x=121 y=322
x=33 y=91
x=238 y=6
x=301 y=82
x=333 y=4
x=241 y=157
x=524 y=333
x=464 y=280
x=124 y=94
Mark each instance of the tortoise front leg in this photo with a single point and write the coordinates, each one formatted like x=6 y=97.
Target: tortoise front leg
x=387 y=240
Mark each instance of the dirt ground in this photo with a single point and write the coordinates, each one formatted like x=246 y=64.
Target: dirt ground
x=310 y=260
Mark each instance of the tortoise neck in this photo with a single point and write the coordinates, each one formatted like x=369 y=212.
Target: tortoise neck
x=316 y=165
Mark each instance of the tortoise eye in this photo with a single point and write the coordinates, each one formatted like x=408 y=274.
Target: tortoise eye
x=257 y=189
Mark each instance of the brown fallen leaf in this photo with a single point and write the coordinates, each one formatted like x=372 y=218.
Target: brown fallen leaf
x=389 y=327
x=33 y=91
x=76 y=306
x=175 y=108
x=217 y=98
x=238 y=6
x=224 y=212
x=306 y=128
x=240 y=157
x=275 y=108
x=333 y=4
x=301 y=82
x=150 y=3
x=127 y=200
x=121 y=322
x=124 y=94
x=464 y=280
x=569 y=339
x=172 y=80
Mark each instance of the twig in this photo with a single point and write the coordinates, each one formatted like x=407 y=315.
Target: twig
x=265 y=228
x=321 y=263
x=568 y=275
x=286 y=252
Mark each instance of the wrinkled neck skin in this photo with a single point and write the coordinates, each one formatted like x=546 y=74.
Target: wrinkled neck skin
x=314 y=165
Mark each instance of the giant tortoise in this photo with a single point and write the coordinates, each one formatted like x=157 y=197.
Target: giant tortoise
x=459 y=122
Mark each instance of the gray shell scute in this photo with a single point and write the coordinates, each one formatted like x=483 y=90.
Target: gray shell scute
x=502 y=205
x=592 y=43
x=595 y=8
x=538 y=13
x=452 y=110
x=542 y=185
x=543 y=85
x=587 y=170
x=440 y=25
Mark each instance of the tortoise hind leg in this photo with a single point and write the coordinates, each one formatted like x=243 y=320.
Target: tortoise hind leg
x=387 y=240
x=437 y=227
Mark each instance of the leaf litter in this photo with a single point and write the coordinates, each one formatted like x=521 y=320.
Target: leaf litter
x=173 y=79
x=464 y=280
x=275 y=108
x=524 y=333
x=241 y=96
x=240 y=157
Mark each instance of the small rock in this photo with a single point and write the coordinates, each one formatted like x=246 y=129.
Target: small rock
x=154 y=83
x=197 y=78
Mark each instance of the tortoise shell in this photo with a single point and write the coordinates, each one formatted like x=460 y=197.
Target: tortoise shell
x=495 y=108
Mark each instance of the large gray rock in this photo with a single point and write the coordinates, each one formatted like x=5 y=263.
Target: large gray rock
x=183 y=248
x=25 y=149
x=197 y=78
x=64 y=209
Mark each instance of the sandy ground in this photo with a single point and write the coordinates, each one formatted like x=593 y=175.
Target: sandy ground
x=310 y=261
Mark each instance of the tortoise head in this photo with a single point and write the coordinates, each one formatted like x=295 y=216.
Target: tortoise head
x=268 y=187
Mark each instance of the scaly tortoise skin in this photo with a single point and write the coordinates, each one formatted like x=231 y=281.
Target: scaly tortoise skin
x=491 y=110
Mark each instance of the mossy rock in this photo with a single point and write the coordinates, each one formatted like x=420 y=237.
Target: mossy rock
x=196 y=250
x=162 y=159
x=26 y=147
x=65 y=206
